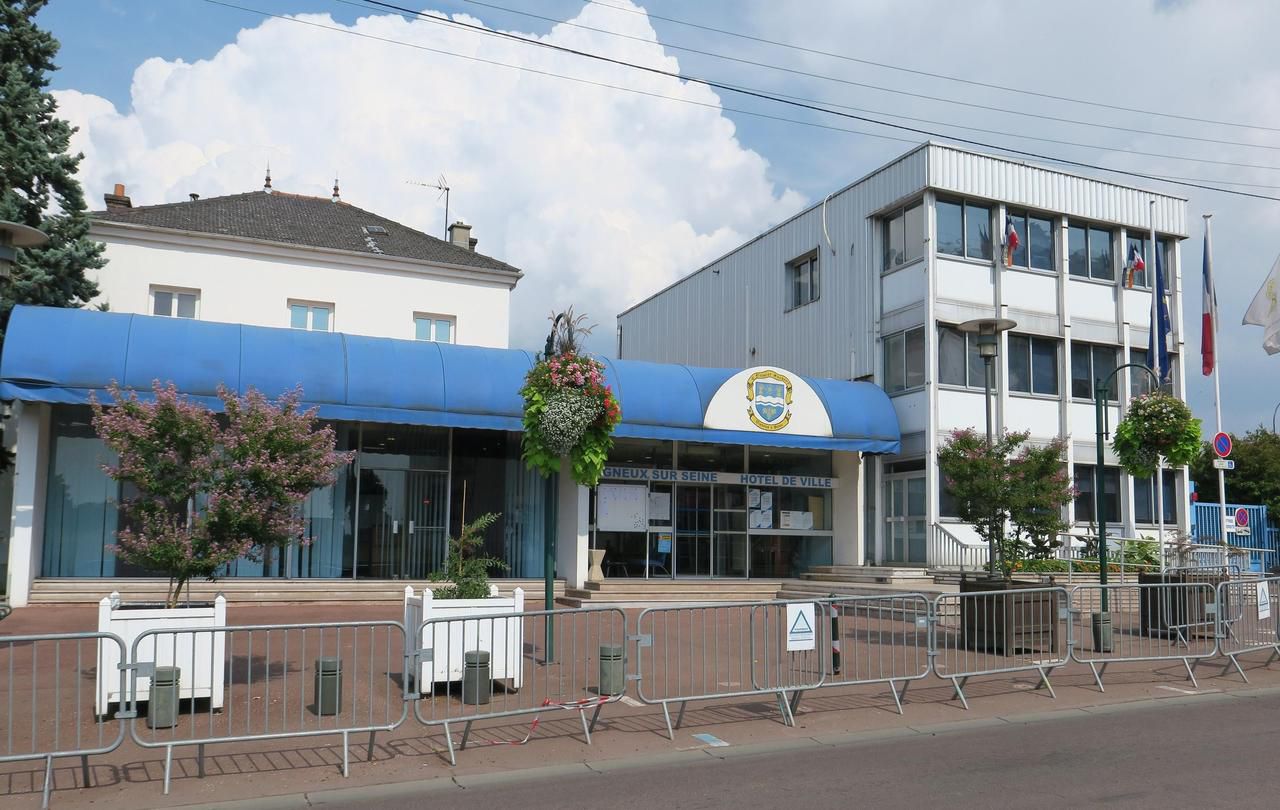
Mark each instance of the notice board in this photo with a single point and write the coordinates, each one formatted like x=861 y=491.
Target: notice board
x=622 y=508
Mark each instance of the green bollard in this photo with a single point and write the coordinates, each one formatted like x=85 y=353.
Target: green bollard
x=162 y=705
x=613 y=674
x=477 y=686
x=328 y=685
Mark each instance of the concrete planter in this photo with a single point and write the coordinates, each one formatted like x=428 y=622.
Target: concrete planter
x=1009 y=620
x=462 y=626
x=200 y=656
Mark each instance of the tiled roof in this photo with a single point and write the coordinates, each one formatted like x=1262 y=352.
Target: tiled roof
x=294 y=219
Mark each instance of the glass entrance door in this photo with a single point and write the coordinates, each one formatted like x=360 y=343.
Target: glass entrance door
x=693 y=531
x=905 y=521
x=403 y=515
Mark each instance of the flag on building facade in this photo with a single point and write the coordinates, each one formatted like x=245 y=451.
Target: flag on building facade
x=1158 y=343
x=1135 y=264
x=1265 y=310
x=1209 y=310
x=1010 y=241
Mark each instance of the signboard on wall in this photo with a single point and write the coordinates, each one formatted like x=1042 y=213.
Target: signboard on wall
x=706 y=477
x=622 y=508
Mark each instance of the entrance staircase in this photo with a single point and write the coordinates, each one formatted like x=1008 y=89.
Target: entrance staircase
x=623 y=591
x=866 y=580
x=258 y=590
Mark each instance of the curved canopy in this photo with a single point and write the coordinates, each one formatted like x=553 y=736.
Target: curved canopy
x=65 y=355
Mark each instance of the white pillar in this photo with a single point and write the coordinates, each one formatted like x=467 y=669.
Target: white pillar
x=30 y=477
x=846 y=509
x=572 y=517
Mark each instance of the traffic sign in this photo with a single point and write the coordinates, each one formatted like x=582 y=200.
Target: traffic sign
x=1223 y=464
x=1222 y=445
x=1242 y=517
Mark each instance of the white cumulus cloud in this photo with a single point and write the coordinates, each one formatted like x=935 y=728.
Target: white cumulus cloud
x=601 y=196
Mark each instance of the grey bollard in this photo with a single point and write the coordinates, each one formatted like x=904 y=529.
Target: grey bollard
x=162 y=705
x=328 y=685
x=477 y=686
x=613 y=671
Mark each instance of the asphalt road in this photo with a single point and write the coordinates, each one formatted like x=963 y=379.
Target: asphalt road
x=1208 y=754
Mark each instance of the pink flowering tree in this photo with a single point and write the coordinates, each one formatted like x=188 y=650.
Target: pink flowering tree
x=1013 y=492
x=209 y=489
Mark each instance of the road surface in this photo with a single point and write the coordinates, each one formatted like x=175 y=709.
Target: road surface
x=1175 y=754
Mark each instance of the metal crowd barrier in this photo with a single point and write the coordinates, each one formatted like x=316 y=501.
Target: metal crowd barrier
x=273 y=682
x=995 y=632
x=1251 y=620
x=1148 y=622
x=51 y=678
x=687 y=653
x=538 y=661
x=879 y=639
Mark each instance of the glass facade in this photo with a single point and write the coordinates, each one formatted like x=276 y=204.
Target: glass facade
x=388 y=515
x=695 y=523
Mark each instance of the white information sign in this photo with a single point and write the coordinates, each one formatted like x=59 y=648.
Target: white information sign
x=622 y=508
x=660 y=507
x=801 y=621
x=1264 y=600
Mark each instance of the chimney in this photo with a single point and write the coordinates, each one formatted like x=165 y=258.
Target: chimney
x=460 y=235
x=117 y=200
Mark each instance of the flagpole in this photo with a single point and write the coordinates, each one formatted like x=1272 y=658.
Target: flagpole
x=1217 y=392
x=1157 y=335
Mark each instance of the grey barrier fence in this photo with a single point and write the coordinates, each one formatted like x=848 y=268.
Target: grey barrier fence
x=1172 y=621
x=1250 y=620
x=49 y=679
x=527 y=663
x=687 y=653
x=270 y=681
x=1000 y=631
x=879 y=639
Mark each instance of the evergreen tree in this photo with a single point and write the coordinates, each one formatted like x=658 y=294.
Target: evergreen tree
x=38 y=185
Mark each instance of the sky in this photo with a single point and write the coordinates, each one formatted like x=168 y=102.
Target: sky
x=604 y=195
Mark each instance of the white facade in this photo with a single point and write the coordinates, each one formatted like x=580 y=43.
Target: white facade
x=247 y=281
x=748 y=308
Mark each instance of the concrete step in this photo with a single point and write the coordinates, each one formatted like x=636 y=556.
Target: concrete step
x=670 y=591
x=258 y=590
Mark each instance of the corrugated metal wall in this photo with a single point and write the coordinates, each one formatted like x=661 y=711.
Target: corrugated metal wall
x=704 y=319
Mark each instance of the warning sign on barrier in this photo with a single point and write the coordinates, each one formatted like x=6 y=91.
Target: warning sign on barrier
x=1264 y=601
x=800 y=624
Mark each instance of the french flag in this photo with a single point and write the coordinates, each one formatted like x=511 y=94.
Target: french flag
x=1135 y=264
x=1209 y=318
x=1010 y=241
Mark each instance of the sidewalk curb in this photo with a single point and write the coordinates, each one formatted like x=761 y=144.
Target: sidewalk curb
x=448 y=782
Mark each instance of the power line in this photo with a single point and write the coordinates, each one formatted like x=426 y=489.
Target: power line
x=802 y=105
x=943 y=76
x=852 y=83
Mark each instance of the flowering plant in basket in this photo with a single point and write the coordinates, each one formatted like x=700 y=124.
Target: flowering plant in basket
x=1156 y=424
x=568 y=411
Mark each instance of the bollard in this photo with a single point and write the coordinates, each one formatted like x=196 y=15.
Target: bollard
x=835 y=638
x=162 y=706
x=477 y=686
x=613 y=672
x=1101 y=632
x=328 y=685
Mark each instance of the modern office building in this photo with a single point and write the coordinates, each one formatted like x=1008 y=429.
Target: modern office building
x=871 y=283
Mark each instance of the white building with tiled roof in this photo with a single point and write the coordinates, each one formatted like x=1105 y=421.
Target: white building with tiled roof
x=270 y=258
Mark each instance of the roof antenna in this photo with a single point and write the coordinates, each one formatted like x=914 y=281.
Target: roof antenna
x=442 y=184
x=267 y=185
x=336 y=196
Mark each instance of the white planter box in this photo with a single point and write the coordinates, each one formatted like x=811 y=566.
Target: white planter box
x=503 y=639
x=200 y=656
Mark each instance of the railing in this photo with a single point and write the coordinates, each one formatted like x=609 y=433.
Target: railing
x=948 y=551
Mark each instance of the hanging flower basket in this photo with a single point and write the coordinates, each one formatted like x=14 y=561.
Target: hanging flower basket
x=569 y=411
x=1156 y=424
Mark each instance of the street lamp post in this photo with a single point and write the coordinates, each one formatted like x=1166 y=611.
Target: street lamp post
x=14 y=236
x=988 y=340
x=1273 y=417
x=1102 y=619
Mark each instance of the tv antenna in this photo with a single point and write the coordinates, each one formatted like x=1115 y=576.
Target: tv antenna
x=443 y=185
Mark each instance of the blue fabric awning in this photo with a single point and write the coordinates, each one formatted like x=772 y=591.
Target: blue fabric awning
x=65 y=355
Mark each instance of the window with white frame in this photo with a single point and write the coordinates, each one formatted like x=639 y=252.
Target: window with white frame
x=1139 y=243
x=904 y=360
x=1089 y=364
x=904 y=236
x=1089 y=252
x=173 y=302
x=1035 y=240
x=1144 y=498
x=803 y=280
x=958 y=360
x=1086 y=480
x=311 y=315
x=1033 y=365
x=964 y=229
x=435 y=328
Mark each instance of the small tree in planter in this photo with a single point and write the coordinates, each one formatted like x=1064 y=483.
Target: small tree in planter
x=1013 y=493
x=466 y=568
x=206 y=490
